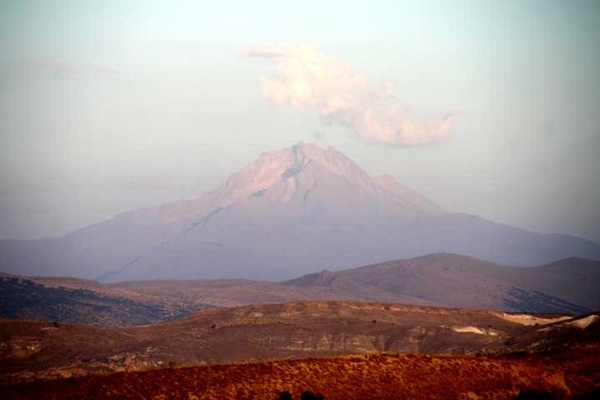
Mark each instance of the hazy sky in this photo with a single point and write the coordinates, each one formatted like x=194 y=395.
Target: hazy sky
x=487 y=107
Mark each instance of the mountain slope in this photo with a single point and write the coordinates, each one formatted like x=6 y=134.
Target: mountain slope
x=298 y=210
x=568 y=286
x=84 y=302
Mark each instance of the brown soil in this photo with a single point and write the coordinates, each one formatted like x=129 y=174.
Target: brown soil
x=38 y=350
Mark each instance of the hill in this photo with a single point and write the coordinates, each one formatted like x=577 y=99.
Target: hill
x=451 y=280
x=32 y=350
x=568 y=286
x=87 y=302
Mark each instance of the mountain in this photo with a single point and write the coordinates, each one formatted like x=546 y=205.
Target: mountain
x=294 y=211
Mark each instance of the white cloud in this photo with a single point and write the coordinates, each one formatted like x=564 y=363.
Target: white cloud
x=305 y=77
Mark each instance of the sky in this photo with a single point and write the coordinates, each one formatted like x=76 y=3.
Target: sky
x=488 y=108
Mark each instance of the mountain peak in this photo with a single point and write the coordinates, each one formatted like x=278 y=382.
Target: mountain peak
x=282 y=170
x=333 y=160
x=274 y=166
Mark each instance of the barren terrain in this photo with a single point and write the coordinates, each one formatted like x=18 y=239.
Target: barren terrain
x=38 y=350
x=567 y=374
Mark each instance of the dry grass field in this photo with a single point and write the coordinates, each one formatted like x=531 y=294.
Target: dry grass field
x=565 y=374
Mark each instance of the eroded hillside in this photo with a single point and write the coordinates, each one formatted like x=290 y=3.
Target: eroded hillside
x=32 y=350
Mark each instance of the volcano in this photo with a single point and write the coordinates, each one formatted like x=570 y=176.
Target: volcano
x=294 y=211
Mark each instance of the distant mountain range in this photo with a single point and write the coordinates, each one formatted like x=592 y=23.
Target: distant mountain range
x=449 y=280
x=569 y=286
x=291 y=212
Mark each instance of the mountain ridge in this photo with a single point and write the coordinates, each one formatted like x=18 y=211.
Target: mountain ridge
x=448 y=280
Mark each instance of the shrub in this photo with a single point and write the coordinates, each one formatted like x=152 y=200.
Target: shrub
x=285 y=396
x=308 y=395
x=533 y=395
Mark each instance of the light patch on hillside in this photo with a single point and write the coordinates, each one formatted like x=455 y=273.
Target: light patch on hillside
x=527 y=319
x=473 y=329
x=583 y=322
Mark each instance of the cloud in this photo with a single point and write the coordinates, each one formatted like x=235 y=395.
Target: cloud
x=304 y=77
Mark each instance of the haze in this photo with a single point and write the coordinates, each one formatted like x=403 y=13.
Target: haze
x=486 y=108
